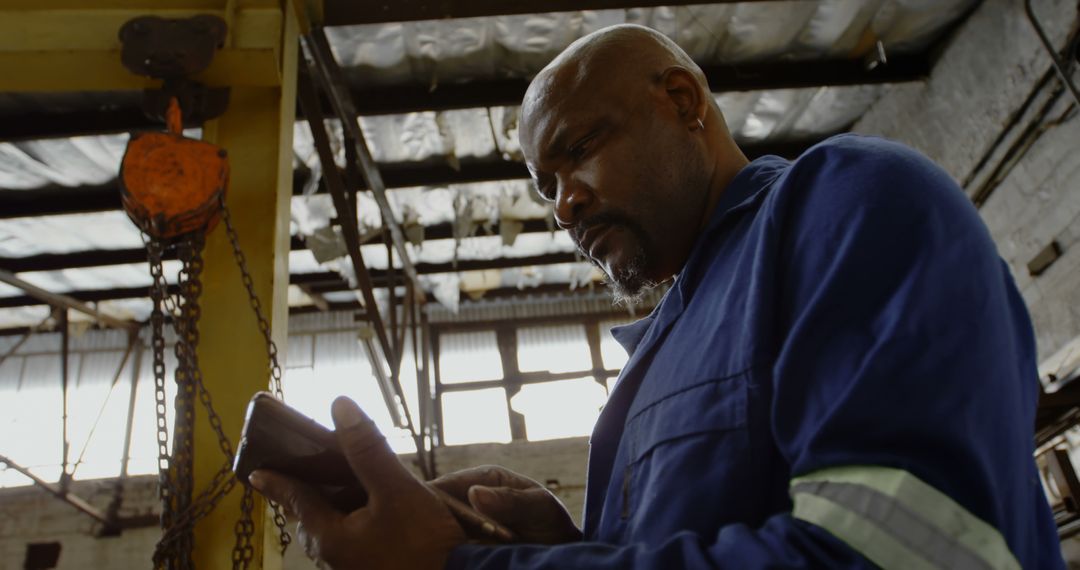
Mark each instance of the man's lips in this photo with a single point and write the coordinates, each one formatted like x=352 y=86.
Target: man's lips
x=592 y=235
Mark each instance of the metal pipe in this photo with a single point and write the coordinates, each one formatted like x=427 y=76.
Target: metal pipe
x=74 y=501
x=305 y=92
x=101 y=411
x=329 y=74
x=25 y=337
x=63 y=301
x=136 y=368
x=1061 y=71
x=125 y=458
x=65 y=345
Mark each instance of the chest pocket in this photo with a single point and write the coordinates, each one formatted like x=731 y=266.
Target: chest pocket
x=713 y=405
x=678 y=443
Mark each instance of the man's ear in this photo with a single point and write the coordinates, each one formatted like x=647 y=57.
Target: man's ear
x=686 y=94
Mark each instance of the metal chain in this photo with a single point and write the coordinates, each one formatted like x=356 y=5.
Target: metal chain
x=253 y=299
x=271 y=348
x=284 y=538
x=177 y=540
x=244 y=529
x=187 y=370
x=166 y=492
x=180 y=512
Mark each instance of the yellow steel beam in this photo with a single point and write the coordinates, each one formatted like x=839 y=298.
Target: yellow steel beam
x=55 y=47
x=257 y=133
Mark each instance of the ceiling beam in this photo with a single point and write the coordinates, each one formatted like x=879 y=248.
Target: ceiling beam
x=321 y=282
x=107 y=257
x=508 y=92
x=66 y=302
x=395 y=99
x=330 y=282
x=59 y=200
x=561 y=289
x=349 y=13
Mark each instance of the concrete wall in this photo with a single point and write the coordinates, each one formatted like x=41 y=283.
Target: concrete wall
x=970 y=114
x=29 y=515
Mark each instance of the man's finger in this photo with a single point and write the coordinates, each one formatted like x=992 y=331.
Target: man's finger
x=366 y=449
x=457 y=484
x=505 y=504
x=297 y=498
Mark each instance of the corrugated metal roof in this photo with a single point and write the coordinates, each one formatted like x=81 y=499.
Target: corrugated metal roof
x=434 y=53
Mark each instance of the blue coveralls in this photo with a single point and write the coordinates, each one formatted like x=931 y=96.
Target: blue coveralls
x=842 y=375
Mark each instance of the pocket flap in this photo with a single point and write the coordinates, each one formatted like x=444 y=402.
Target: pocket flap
x=717 y=404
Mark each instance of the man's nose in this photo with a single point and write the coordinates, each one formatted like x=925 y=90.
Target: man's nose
x=572 y=201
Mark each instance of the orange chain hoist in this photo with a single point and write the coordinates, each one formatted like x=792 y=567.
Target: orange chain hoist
x=173 y=188
x=172 y=185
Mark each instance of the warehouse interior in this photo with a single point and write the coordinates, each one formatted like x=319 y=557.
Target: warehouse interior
x=448 y=304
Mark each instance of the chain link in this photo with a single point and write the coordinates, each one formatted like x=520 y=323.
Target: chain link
x=271 y=347
x=185 y=325
x=253 y=299
x=179 y=511
x=166 y=491
x=244 y=529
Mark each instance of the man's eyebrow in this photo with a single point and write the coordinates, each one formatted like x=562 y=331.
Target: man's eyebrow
x=558 y=141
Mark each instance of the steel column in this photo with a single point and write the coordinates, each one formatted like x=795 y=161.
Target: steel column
x=257 y=132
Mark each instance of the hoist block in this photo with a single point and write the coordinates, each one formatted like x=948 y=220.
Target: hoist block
x=172 y=185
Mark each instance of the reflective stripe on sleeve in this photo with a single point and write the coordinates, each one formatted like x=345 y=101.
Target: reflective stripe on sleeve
x=897 y=521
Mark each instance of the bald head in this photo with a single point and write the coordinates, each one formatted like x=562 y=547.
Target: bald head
x=625 y=53
x=615 y=59
x=621 y=133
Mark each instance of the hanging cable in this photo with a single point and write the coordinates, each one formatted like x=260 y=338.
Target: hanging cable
x=1062 y=70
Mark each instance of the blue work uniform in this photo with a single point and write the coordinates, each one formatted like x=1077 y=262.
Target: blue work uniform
x=843 y=375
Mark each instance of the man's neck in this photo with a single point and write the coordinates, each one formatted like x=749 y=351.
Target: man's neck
x=728 y=163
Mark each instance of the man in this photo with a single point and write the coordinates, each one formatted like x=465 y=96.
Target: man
x=842 y=374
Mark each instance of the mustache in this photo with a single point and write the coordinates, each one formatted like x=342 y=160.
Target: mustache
x=601 y=219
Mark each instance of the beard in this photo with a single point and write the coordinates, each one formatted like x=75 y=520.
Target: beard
x=629 y=281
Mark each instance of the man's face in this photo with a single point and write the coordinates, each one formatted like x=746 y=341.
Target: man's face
x=616 y=166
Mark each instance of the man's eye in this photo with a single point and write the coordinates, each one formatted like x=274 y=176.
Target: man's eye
x=580 y=148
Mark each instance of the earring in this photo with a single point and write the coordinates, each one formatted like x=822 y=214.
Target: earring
x=701 y=124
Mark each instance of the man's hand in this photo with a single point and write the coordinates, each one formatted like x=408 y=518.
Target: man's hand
x=404 y=525
x=523 y=505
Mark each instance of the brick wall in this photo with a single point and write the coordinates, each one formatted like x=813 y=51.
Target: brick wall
x=971 y=118
x=29 y=515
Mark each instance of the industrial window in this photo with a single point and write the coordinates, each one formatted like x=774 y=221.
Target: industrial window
x=469 y=357
x=564 y=408
x=475 y=416
x=341 y=367
x=614 y=355
x=556 y=349
x=552 y=368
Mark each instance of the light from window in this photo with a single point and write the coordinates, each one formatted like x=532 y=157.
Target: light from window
x=475 y=416
x=611 y=352
x=556 y=349
x=565 y=408
x=469 y=357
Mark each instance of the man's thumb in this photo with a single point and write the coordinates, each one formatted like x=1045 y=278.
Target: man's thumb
x=504 y=504
x=366 y=450
x=485 y=499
